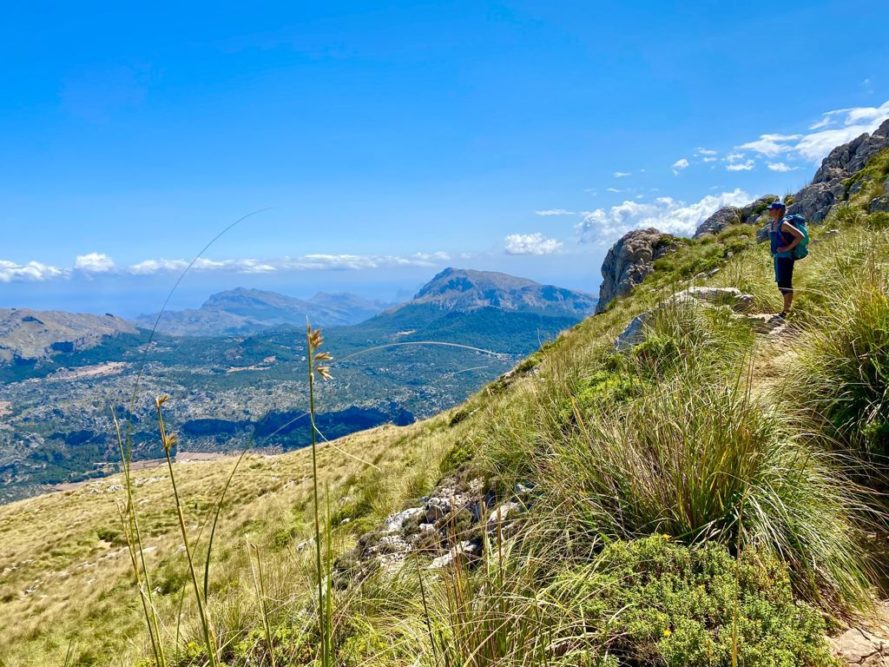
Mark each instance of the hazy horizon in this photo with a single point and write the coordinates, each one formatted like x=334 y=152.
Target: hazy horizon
x=129 y=298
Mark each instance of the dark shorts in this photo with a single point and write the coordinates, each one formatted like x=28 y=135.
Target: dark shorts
x=784 y=273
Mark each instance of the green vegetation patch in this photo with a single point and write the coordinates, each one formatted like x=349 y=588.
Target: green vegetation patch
x=652 y=601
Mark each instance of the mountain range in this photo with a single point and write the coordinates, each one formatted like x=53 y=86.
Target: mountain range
x=244 y=311
x=61 y=374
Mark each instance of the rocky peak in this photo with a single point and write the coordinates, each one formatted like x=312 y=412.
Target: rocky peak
x=629 y=261
x=828 y=187
x=845 y=160
x=751 y=214
x=465 y=290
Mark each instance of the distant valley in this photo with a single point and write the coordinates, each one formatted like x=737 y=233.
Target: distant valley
x=62 y=375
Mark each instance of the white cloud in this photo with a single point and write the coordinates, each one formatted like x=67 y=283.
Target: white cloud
x=679 y=165
x=839 y=127
x=31 y=272
x=665 y=213
x=780 y=167
x=94 y=262
x=98 y=263
x=833 y=129
x=549 y=212
x=317 y=262
x=530 y=244
x=771 y=145
x=734 y=157
x=709 y=159
x=824 y=122
x=614 y=190
x=157 y=266
x=706 y=152
x=622 y=174
x=741 y=166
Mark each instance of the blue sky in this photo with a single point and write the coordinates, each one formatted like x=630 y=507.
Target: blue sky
x=383 y=141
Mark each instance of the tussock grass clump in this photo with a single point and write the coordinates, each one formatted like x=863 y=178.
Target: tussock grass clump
x=700 y=460
x=842 y=373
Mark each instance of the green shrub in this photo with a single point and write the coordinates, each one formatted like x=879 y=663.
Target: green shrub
x=600 y=388
x=171 y=577
x=760 y=208
x=736 y=231
x=651 y=601
x=458 y=456
x=359 y=505
x=111 y=535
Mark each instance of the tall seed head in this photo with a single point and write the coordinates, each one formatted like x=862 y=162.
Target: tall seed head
x=315 y=341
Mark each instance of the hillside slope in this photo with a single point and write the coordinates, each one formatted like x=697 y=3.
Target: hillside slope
x=27 y=336
x=676 y=501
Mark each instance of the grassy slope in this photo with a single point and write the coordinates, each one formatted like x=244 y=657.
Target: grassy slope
x=66 y=575
x=65 y=580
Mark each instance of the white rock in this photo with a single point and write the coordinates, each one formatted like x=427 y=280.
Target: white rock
x=499 y=515
x=396 y=522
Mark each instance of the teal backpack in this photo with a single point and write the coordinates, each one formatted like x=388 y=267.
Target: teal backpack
x=802 y=248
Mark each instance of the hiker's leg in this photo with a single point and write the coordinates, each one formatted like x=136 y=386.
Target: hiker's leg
x=788 y=300
x=784 y=278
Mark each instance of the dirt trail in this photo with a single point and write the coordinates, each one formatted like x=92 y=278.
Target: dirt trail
x=772 y=353
x=867 y=642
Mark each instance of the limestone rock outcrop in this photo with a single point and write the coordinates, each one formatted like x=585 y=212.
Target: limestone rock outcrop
x=629 y=261
x=729 y=297
x=752 y=214
x=829 y=187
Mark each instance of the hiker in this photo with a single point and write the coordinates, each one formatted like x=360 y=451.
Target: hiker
x=784 y=239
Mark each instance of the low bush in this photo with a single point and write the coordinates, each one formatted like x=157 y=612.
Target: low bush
x=654 y=602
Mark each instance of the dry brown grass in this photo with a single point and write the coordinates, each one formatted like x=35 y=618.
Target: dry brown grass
x=65 y=575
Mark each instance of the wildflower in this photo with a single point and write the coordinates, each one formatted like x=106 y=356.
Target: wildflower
x=667 y=632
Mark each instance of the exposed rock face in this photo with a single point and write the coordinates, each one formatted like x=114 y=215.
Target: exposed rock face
x=448 y=526
x=629 y=261
x=752 y=214
x=828 y=187
x=708 y=297
x=845 y=160
x=868 y=645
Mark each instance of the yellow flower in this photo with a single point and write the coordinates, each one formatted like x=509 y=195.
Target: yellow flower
x=667 y=632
